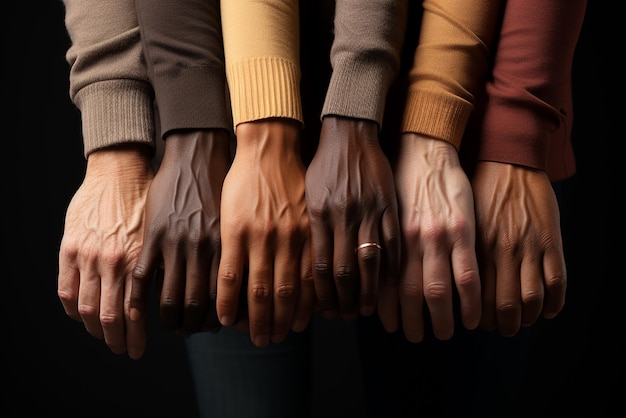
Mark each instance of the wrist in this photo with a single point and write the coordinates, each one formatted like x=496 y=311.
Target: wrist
x=275 y=136
x=121 y=160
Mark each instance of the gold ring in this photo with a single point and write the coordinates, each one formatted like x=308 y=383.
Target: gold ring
x=368 y=244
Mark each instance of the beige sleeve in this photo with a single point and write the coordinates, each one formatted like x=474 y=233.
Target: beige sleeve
x=261 y=49
x=108 y=78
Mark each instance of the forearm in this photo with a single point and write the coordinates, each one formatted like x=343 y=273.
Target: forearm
x=108 y=80
x=182 y=43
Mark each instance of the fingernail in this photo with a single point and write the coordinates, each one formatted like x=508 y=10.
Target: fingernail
x=226 y=320
x=261 y=340
x=367 y=310
x=299 y=325
x=135 y=314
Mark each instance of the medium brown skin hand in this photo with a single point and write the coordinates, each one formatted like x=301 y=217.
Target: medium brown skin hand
x=182 y=234
x=265 y=233
x=519 y=246
x=101 y=243
x=438 y=238
x=351 y=199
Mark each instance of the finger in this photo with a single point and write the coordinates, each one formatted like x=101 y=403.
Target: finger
x=230 y=278
x=197 y=291
x=438 y=290
x=531 y=288
x=286 y=286
x=135 y=330
x=392 y=248
x=346 y=271
x=172 y=298
x=149 y=259
x=555 y=281
x=306 y=295
x=508 y=298
x=369 y=254
x=211 y=322
x=411 y=292
x=322 y=261
x=467 y=280
x=487 y=271
x=112 y=311
x=89 y=302
x=68 y=284
x=260 y=293
x=388 y=306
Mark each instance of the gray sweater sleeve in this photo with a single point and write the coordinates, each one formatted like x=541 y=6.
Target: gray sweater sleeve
x=184 y=52
x=108 y=79
x=365 y=57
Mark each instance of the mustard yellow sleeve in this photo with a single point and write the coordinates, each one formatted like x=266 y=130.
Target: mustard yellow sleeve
x=262 y=56
x=450 y=65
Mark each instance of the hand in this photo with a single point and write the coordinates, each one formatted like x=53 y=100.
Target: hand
x=351 y=200
x=182 y=234
x=438 y=238
x=519 y=246
x=101 y=243
x=265 y=233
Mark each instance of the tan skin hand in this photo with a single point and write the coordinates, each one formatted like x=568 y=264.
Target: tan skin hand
x=101 y=243
x=265 y=233
x=351 y=200
x=438 y=237
x=182 y=234
x=519 y=246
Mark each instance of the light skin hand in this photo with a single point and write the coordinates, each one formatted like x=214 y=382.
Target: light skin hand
x=182 y=234
x=351 y=199
x=101 y=243
x=438 y=241
x=265 y=233
x=519 y=246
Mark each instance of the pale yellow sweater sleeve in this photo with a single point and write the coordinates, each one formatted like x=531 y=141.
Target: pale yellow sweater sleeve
x=261 y=48
x=450 y=65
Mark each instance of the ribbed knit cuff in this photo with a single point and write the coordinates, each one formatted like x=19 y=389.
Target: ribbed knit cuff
x=263 y=88
x=116 y=112
x=357 y=89
x=438 y=115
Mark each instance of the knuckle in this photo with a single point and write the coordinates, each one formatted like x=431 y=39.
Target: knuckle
x=321 y=268
x=343 y=274
x=110 y=320
x=87 y=311
x=411 y=290
x=229 y=277
x=436 y=291
x=260 y=292
x=285 y=291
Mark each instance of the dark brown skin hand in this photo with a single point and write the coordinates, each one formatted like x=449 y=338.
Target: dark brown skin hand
x=351 y=200
x=182 y=233
x=519 y=246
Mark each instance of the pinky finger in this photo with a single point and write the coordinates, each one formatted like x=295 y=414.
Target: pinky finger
x=555 y=276
x=67 y=289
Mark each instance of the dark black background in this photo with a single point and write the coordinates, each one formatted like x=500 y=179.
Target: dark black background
x=52 y=367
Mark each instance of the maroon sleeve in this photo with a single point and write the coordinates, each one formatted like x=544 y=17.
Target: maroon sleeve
x=528 y=110
x=184 y=52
